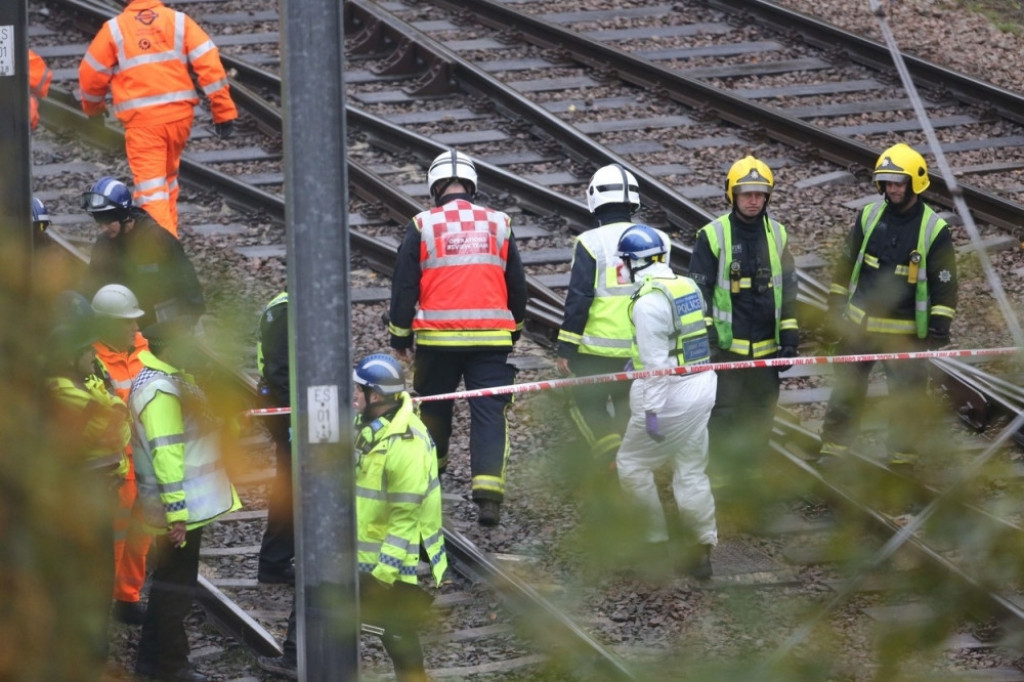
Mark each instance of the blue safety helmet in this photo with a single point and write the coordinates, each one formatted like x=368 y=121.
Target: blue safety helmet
x=381 y=373
x=108 y=200
x=40 y=216
x=641 y=242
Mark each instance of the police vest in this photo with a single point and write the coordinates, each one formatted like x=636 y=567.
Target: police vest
x=199 y=475
x=397 y=472
x=931 y=224
x=719 y=234
x=463 y=297
x=280 y=299
x=607 y=332
x=690 y=331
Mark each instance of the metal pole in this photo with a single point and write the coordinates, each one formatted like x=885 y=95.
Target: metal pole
x=319 y=328
x=15 y=184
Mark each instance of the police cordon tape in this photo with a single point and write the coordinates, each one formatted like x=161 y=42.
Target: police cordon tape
x=567 y=382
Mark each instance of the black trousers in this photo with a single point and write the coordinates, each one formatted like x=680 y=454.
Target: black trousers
x=278 y=546
x=741 y=421
x=438 y=371
x=163 y=646
x=907 y=383
x=592 y=400
x=400 y=611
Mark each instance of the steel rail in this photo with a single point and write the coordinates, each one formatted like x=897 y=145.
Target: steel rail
x=775 y=124
x=875 y=55
x=575 y=646
x=531 y=196
x=611 y=664
x=388 y=30
x=1005 y=606
x=234 y=621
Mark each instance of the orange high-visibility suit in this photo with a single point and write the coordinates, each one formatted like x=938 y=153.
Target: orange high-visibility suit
x=39 y=78
x=142 y=56
x=131 y=541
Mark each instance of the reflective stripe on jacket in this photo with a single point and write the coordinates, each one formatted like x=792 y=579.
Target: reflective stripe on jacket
x=94 y=422
x=398 y=497
x=719 y=235
x=143 y=56
x=607 y=332
x=931 y=225
x=690 y=333
x=463 y=295
x=177 y=450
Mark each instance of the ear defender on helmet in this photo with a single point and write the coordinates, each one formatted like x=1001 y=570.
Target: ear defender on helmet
x=898 y=163
x=448 y=167
x=613 y=184
x=751 y=175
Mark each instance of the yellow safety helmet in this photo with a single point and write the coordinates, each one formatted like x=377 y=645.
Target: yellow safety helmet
x=900 y=161
x=752 y=173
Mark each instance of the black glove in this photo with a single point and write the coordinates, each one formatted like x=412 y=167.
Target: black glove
x=938 y=332
x=226 y=129
x=835 y=320
x=515 y=335
x=936 y=339
x=786 y=352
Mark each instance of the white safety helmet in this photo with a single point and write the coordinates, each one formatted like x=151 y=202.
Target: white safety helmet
x=117 y=301
x=449 y=167
x=613 y=184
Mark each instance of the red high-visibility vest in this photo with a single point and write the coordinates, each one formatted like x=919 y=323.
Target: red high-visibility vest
x=463 y=296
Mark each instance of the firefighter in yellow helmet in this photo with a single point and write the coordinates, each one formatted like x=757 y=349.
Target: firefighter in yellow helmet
x=894 y=289
x=745 y=271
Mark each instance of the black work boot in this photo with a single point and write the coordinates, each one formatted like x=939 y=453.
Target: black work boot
x=488 y=512
x=282 y=665
x=700 y=565
x=129 y=612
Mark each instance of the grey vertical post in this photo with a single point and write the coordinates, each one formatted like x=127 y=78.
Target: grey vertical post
x=319 y=328
x=15 y=185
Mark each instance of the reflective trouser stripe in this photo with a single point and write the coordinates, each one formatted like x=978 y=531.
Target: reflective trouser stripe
x=154 y=153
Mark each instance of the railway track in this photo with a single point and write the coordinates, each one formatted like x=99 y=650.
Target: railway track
x=534 y=180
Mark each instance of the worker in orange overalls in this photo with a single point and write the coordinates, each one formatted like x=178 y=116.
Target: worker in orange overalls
x=39 y=78
x=142 y=56
x=116 y=320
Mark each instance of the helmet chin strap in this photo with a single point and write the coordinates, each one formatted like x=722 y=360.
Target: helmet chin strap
x=634 y=270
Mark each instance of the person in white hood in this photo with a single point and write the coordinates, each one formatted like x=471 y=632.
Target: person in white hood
x=669 y=414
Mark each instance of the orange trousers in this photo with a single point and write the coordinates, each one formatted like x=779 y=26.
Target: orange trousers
x=154 y=153
x=131 y=544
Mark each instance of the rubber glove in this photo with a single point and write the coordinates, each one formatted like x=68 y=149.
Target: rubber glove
x=651 y=425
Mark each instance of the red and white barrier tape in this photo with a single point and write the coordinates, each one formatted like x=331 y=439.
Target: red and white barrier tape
x=689 y=369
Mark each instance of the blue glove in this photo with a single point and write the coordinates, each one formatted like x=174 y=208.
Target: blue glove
x=651 y=425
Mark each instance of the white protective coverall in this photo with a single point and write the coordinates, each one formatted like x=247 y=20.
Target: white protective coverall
x=683 y=404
